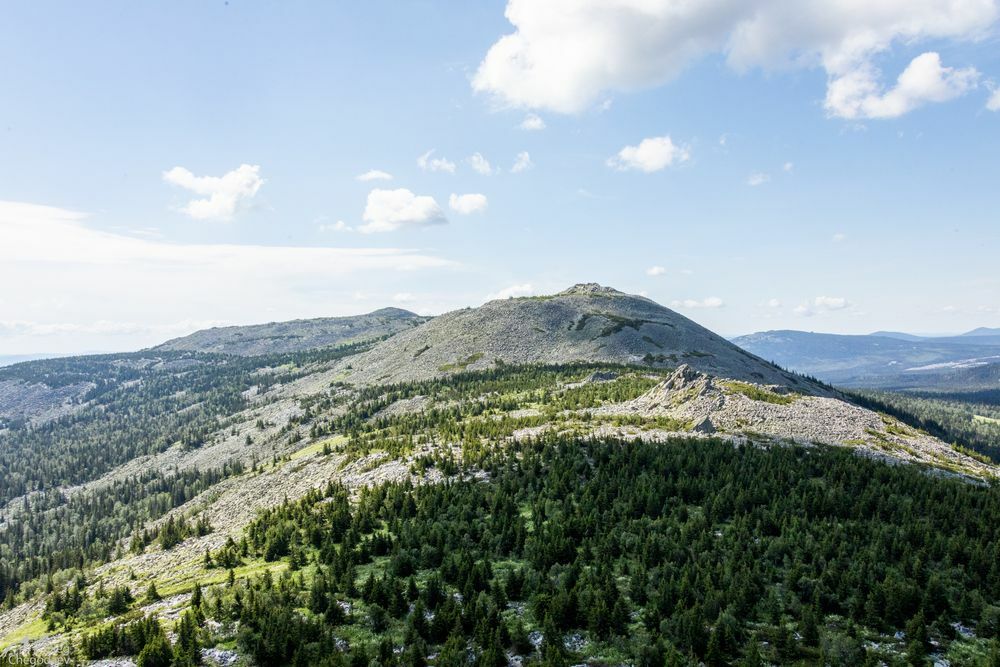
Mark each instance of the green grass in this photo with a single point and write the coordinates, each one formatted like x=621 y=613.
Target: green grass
x=317 y=447
x=985 y=420
x=756 y=393
x=462 y=364
x=30 y=630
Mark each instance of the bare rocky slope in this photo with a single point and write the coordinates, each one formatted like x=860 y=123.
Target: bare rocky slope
x=723 y=407
x=585 y=323
x=296 y=335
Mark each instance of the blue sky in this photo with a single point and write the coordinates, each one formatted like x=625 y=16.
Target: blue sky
x=779 y=175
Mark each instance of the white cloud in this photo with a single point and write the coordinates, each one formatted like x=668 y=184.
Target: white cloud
x=480 y=164
x=831 y=302
x=224 y=194
x=708 y=302
x=389 y=210
x=403 y=297
x=804 y=310
x=339 y=226
x=163 y=289
x=428 y=163
x=524 y=289
x=522 y=163
x=774 y=303
x=469 y=203
x=375 y=175
x=655 y=271
x=788 y=167
x=652 y=154
x=565 y=55
x=839 y=237
x=758 y=178
x=532 y=122
x=822 y=304
x=858 y=93
x=993 y=104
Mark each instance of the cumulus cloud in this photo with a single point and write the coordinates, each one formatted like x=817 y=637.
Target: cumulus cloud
x=774 y=303
x=655 y=271
x=758 y=178
x=524 y=289
x=652 y=154
x=522 y=163
x=708 y=302
x=532 y=122
x=223 y=195
x=858 y=93
x=339 y=226
x=374 y=175
x=830 y=302
x=822 y=304
x=788 y=167
x=993 y=104
x=389 y=210
x=428 y=163
x=480 y=164
x=839 y=237
x=164 y=289
x=468 y=203
x=565 y=55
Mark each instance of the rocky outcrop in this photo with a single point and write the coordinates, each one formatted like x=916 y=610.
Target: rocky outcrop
x=714 y=405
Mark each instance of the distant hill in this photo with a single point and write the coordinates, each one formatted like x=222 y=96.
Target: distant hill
x=296 y=335
x=883 y=361
x=897 y=334
x=983 y=331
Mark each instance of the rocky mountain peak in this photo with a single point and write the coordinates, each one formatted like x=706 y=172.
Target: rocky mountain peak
x=590 y=288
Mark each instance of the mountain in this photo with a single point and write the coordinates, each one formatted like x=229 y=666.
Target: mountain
x=983 y=331
x=296 y=335
x=879 y=361
x=897 y=334
x=585 y=323
x=137 y=482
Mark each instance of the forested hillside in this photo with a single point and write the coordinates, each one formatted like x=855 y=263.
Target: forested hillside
x=622 y=553
x=384 y=503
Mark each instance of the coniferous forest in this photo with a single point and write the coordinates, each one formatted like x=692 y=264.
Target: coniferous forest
x=681 y=553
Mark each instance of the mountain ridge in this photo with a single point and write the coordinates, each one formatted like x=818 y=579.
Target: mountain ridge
x=295 y=335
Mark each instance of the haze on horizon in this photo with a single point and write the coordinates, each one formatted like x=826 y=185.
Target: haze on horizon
x=169 y=168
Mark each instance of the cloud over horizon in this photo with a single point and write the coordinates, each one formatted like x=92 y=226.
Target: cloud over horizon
x=159 y=285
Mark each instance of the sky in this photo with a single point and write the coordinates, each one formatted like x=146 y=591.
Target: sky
x=824 y=165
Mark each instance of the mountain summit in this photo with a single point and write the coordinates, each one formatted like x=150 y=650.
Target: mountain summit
x=585 y=323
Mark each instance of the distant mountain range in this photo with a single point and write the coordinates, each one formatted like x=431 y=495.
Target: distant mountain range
x=886 y=359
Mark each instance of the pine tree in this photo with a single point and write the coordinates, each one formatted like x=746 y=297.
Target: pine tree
x=152 y=595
